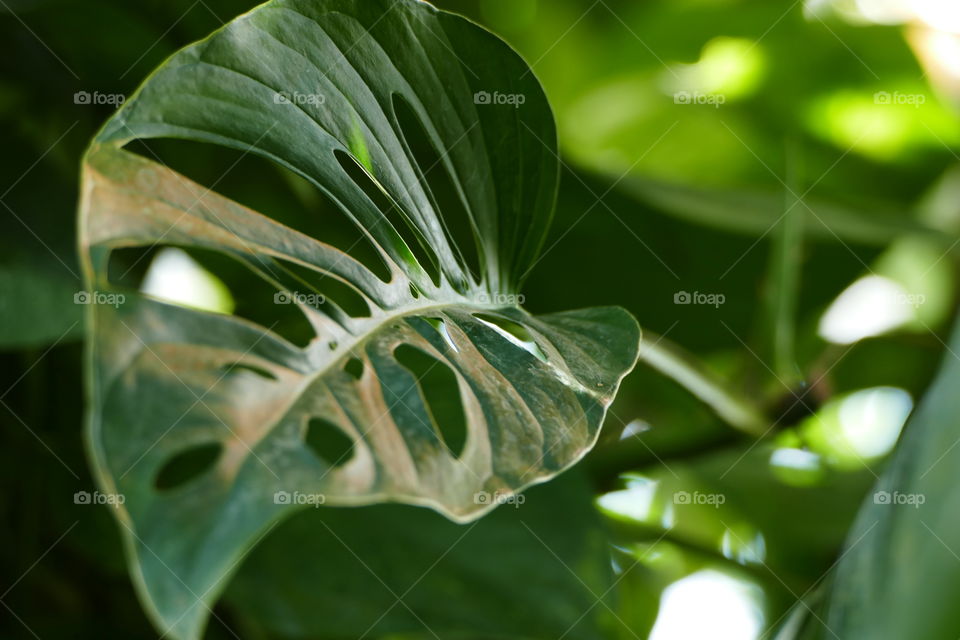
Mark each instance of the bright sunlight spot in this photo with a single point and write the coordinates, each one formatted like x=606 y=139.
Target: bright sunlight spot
x=871 y=419
x=728 y=67
x=797 y=467
x=940 y=53
x=858 y=427
x=919 y=266
x=884 y=11
x=909 y=289
x=932 y=29
x=797 y=459
x=743 y=546
x=885 y=121
x=709 y=604
x=871 y=306
x=635 y=428
x=636 y=502
x=856 y=121
x=175 y=277
x=943 y=15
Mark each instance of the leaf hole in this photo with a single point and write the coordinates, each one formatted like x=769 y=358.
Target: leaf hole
x=446 y=199
x=514 y=332
x=354 y=366
x=318 y=290
x=127 y=266
x=440 y=326
x=328 y=442
x=269 y=188
x=412 y=237
x=187 y=466
x=211 y=281
x=441 y=395
x=239 y=367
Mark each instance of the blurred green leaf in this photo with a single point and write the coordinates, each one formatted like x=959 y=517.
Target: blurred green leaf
x=37 y=307
x=757 y=213
x=536 y=568
x=900 y=572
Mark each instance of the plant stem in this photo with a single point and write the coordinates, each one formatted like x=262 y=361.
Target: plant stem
x=672 y=361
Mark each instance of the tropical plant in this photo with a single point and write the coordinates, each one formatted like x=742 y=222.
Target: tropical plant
x=340 y=93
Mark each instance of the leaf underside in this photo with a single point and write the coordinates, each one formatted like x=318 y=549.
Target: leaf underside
x=166 y=380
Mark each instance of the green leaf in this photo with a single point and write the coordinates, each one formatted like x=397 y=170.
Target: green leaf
x=756 y=213
x=39 y=272
x=333 y=574
x=224 y=414
x=899 y=576
x=37 y=307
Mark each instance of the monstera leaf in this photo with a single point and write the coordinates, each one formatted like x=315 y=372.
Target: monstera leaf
x=319 y=87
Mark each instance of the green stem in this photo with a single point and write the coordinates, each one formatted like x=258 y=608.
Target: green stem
x=672 y=361
x=783 y=285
